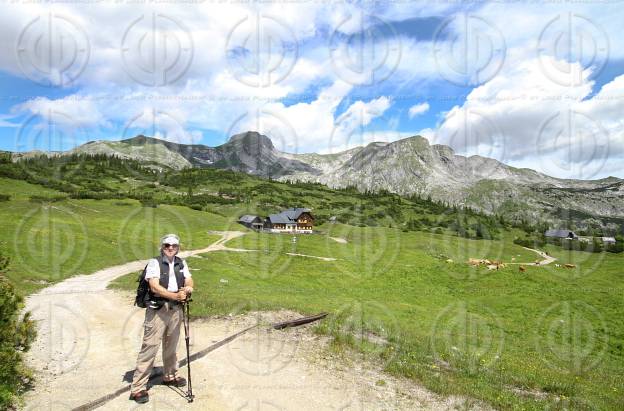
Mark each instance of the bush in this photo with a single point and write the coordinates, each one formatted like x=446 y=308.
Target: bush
x=46 y=199
x=95 y=195
x=16 y=335
x=5 y=197
x=148 y=202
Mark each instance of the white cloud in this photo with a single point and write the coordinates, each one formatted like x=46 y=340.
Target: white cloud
x=71 y=111
x=418 y=109
x=314 y=126
x=501 y=118
x=523 y=118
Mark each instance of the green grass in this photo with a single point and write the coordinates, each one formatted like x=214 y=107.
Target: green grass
x=48 y=242
x=394 y=298
x=552 y=333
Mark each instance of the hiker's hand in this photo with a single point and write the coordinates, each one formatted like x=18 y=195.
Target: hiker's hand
x=181 y=295
x=188 y=290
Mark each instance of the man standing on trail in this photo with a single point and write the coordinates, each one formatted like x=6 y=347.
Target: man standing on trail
x=170 y=283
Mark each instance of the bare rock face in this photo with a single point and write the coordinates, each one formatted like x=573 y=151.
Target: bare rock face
x=407 y=166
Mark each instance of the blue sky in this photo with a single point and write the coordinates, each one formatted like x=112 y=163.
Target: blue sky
x=490 y=79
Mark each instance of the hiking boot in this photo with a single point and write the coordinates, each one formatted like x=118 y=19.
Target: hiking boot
x=176 y=382
x=140 y=397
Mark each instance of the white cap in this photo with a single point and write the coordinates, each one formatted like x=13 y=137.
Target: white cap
x=170 y=239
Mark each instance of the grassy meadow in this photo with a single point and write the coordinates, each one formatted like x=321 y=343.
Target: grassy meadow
x=399 y=290
x=50 y=241
x=546 y=338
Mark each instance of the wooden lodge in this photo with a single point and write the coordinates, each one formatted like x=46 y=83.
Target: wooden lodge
x=293 y=220
x=565 y=234
x=251 y=221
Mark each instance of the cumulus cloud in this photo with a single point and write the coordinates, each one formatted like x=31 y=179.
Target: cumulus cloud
x=418 y=109
x=523 y=117
x=71 y=111
x=232 y=83
x=314 y=126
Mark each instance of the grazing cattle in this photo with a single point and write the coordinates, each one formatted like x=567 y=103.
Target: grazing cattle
x=569 y=266
x=490 y=264
x=513 y=259
x=521 y=268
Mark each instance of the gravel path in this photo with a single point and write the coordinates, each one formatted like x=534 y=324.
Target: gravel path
x=89 y=337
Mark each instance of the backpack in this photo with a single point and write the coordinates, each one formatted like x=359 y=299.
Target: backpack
x=144 y=297
x=142 y=293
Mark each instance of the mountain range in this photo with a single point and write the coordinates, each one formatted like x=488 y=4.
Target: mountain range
x=408 y=166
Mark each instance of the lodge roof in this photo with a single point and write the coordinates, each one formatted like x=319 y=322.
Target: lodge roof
x=247 y=218
x=560 y=233
x=288 y=216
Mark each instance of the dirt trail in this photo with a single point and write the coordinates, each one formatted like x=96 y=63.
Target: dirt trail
x=312 y=256
x=89 y=337
x=547 y=259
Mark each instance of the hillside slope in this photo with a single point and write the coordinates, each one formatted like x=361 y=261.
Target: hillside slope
x=408 y=166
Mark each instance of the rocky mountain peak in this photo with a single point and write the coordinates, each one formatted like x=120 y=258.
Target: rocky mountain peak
x=253 y=139
x=140 y=140
x=406 y=166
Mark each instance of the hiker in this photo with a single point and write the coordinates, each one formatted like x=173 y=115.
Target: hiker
x=170 y=283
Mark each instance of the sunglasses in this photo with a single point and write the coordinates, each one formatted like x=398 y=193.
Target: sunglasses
x=170 y=245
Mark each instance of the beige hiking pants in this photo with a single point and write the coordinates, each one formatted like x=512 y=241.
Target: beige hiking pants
x=160 y=325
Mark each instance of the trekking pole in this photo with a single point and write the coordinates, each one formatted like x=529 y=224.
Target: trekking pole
x=186 y=320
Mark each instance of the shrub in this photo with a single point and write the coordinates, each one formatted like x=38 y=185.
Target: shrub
x=16 y=335
x=148 y=202
x=46 y=199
